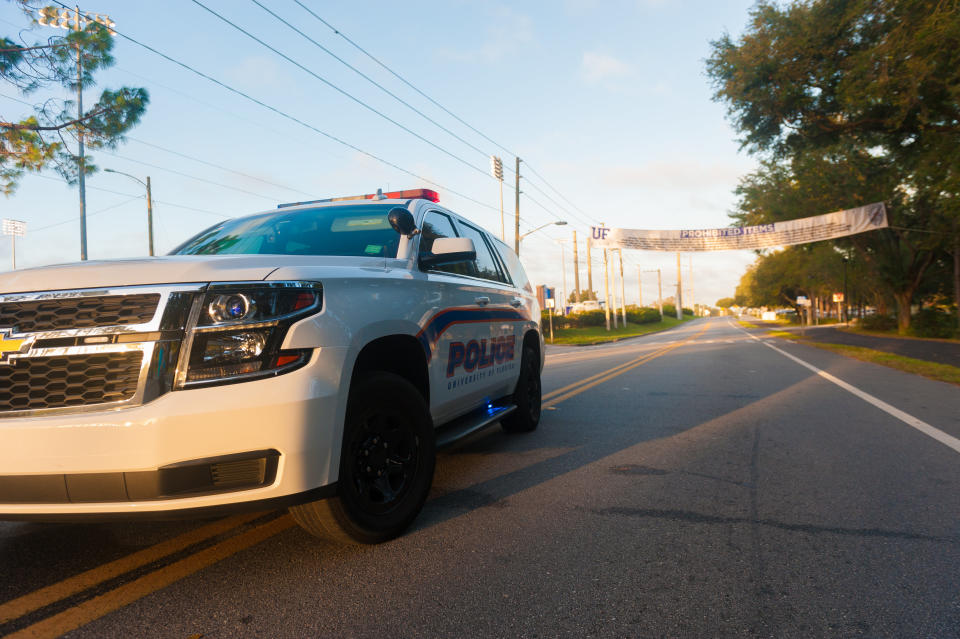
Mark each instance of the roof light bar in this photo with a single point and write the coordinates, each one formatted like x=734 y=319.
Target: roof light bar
x=409 y=194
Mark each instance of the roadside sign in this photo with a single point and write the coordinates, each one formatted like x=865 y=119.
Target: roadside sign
x=551 y=303
x=838 y=297
x=803 y=300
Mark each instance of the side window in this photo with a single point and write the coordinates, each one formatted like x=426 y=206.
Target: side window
x=439 y=225
x=513 y=265
x=486 y=265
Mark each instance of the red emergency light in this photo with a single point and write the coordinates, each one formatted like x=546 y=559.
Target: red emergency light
x=409 y=194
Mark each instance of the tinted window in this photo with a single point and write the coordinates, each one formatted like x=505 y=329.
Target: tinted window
x=485 y=265
x=439 y=225
x=353 y=230
x=513 y=265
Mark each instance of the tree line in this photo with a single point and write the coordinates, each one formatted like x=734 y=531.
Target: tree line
x=848 y=102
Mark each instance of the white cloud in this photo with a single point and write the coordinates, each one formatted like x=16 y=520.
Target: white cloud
x=597 y=67
x=693 y=175
x=509 y=31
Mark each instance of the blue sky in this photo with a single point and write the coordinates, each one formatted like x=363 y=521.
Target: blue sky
x=608 y=101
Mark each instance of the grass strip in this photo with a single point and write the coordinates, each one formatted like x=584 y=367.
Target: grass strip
x=599 y=334
x=930 y=370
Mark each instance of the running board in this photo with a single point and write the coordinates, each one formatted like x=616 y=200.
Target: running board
x=471 y=423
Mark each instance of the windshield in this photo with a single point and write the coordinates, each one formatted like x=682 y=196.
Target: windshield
x=357 y=230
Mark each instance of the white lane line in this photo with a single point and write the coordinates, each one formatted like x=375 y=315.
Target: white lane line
x=906 y=418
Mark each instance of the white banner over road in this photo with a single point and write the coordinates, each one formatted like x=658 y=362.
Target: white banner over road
x=802 y=231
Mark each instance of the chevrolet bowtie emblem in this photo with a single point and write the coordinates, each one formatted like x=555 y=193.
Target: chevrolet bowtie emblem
x=10 y=346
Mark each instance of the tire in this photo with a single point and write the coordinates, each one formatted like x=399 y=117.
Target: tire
x=527 y=396
x=381 y=490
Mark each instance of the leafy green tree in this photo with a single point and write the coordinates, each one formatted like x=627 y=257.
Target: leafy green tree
x=585 y=295
x=726 y=302
x=48 y=137
x=848 y=102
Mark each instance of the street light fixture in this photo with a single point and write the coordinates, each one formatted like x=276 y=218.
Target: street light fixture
x=543 y=226
x=149 y=203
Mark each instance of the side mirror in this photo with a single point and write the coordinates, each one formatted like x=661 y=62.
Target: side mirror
x=449 y=250
x=402 y=221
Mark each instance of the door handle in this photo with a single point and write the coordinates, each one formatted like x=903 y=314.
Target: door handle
x=516 y=302
x=482 y=301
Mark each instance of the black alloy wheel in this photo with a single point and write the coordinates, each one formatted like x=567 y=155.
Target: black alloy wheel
x=527 y=395
x=386 y=465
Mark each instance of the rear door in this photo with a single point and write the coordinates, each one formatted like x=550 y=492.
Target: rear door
x=495 y=337
x=468 y=331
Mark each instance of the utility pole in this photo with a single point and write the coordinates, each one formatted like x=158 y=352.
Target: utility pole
x=516 y=220
x=576 y=270
x=623 y=290
x=589 y=268
x=659 y=295
x=65 y=19
x=679 y=288
x=496 y=168
x=150 y=216
x=639 y=288
x=563 y=269
x=613 y=283
x=606 y=288
x=81 y=160
x=693 y=299
x=149 y=204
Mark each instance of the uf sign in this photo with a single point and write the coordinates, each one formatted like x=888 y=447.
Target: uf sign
x=599 y=232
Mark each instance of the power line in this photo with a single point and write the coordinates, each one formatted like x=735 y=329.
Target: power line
x=372 y=81
x=188 y=157
x=341 y=91
x=283 y=114
x=191 y=177
x=554 y=189
x=325 y=134
x=405 y=81
x=218 y=166
x=89 y=215
x=155 y=201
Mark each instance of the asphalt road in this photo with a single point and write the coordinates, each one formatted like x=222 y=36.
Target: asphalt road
x=693 y=483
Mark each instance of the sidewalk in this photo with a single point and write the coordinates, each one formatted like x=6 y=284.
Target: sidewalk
x=939 y=351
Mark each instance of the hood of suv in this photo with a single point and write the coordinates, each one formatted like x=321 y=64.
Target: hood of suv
x=162 y=270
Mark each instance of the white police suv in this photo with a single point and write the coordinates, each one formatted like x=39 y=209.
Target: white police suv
x=312 y=357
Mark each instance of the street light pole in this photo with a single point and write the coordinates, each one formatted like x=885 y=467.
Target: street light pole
x=149 y=205
x=150 y=216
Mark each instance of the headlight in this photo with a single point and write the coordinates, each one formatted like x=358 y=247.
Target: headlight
x=235 y=332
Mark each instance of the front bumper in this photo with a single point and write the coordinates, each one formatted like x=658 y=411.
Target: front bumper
x=294 y=418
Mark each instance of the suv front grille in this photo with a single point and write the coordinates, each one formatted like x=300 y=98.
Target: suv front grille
x=78 y=312
x=73 y=380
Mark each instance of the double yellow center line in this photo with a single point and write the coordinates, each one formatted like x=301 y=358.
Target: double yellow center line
x=561 y=394
x=91 y=609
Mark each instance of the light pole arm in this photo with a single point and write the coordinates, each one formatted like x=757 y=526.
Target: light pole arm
x=132 y=177
x=542 y=226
